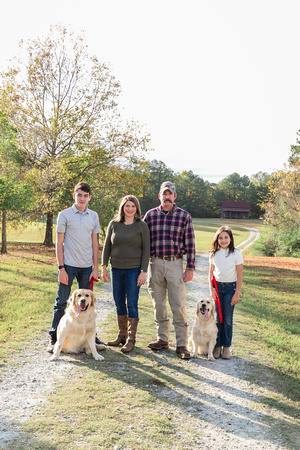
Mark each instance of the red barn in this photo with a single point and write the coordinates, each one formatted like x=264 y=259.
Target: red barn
x=235 y=210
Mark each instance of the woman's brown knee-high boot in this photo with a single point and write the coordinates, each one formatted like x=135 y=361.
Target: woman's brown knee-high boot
x=132 y=329
x=123 y=333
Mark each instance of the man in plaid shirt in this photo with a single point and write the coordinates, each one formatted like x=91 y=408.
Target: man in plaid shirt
x=172 y=236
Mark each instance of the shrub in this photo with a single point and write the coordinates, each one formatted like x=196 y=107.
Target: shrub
x=289 y=243
x=268 y=245
x=280 y=242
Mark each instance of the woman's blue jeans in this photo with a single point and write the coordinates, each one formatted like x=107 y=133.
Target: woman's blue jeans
x=226 y=292
x=124 y=283
x=82 y=276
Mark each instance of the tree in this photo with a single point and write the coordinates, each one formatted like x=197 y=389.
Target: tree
x=111 y=184
x=15 y=193
x=283 y=208
x=234 y=187
x=63 y=104
x=294 y=159
x=258 y=193
x=154 y=174
x=193 y=194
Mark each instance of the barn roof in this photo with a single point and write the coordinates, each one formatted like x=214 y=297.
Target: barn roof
x=236 y=205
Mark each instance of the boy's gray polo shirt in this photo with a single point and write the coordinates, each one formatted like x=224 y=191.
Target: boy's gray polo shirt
x=78 y=228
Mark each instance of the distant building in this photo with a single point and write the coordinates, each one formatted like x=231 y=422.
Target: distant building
x=235 y=210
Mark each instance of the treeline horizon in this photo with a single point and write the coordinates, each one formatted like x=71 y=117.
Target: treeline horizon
x=199 y=197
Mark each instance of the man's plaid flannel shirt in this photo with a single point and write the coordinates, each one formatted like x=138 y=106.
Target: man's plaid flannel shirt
x=171 y=233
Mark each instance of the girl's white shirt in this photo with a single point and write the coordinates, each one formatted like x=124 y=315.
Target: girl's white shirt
x=225 y=265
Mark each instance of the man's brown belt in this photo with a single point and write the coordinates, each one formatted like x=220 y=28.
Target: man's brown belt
x=169 y=258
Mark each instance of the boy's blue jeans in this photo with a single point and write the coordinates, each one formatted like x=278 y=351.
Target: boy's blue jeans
x=226 y=292
x=124 y=283
x=63 y=293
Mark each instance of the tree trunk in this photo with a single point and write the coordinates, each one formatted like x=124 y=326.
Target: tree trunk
x=3 y=246
x=49 y=230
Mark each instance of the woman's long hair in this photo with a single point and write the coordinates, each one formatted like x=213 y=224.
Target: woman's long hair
x=215 y=244
x=120 y=216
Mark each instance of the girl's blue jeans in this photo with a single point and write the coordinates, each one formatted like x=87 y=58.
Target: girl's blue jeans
x=125 y=291
x=226 y=292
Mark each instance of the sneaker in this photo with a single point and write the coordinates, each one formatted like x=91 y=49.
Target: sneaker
x=158 y=345
x=51 y=345
x=183 y=353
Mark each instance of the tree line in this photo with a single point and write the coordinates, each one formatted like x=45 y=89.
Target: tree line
x=202 y=198
x=60 y=124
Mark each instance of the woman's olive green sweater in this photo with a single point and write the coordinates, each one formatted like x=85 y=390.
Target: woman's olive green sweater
x=127 y=246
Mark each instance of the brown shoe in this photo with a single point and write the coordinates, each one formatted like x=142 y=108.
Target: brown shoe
x=158 y=345
x=217 y=352
x=183 y=352
x=226 y=353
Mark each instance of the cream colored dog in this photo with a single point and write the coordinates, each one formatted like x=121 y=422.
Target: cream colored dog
x=204 y=332
x=76 y=330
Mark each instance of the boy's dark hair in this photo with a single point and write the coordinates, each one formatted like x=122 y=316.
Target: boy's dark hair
x=85 y=187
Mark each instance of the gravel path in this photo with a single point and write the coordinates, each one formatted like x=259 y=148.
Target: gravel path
x=222 y=402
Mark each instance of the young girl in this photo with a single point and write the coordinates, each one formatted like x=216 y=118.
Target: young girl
x=127 y=248
x=226 y=265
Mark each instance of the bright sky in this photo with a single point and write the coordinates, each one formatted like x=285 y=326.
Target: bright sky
x=217 y=82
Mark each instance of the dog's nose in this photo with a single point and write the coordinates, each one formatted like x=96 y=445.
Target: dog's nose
x=82 y=302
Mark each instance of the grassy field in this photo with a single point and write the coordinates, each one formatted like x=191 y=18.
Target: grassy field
x=122 y=406
x=35 y=233
x=204 y=232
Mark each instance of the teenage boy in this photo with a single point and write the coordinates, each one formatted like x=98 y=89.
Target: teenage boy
x=76 y=252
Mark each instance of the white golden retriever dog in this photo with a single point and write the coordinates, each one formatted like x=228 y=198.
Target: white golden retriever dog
x=204 y=332
x=76 y=330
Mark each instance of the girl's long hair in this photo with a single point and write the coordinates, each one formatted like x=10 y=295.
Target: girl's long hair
x=120 y=216
x=215 y=245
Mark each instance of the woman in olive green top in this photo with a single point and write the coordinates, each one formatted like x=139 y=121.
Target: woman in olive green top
x=127 y=248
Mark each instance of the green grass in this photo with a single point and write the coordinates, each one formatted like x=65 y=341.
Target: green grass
x=28 y=286
x=126 y=400
x=269 y=316
x=205 y=230
x=35 y=233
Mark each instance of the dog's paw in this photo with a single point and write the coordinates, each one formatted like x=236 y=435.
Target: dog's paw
x=53 y=358
x=210 y=358
x=194 y=355
x=99 y=357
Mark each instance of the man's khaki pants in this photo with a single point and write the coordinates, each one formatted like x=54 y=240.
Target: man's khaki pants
x=167 y=276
